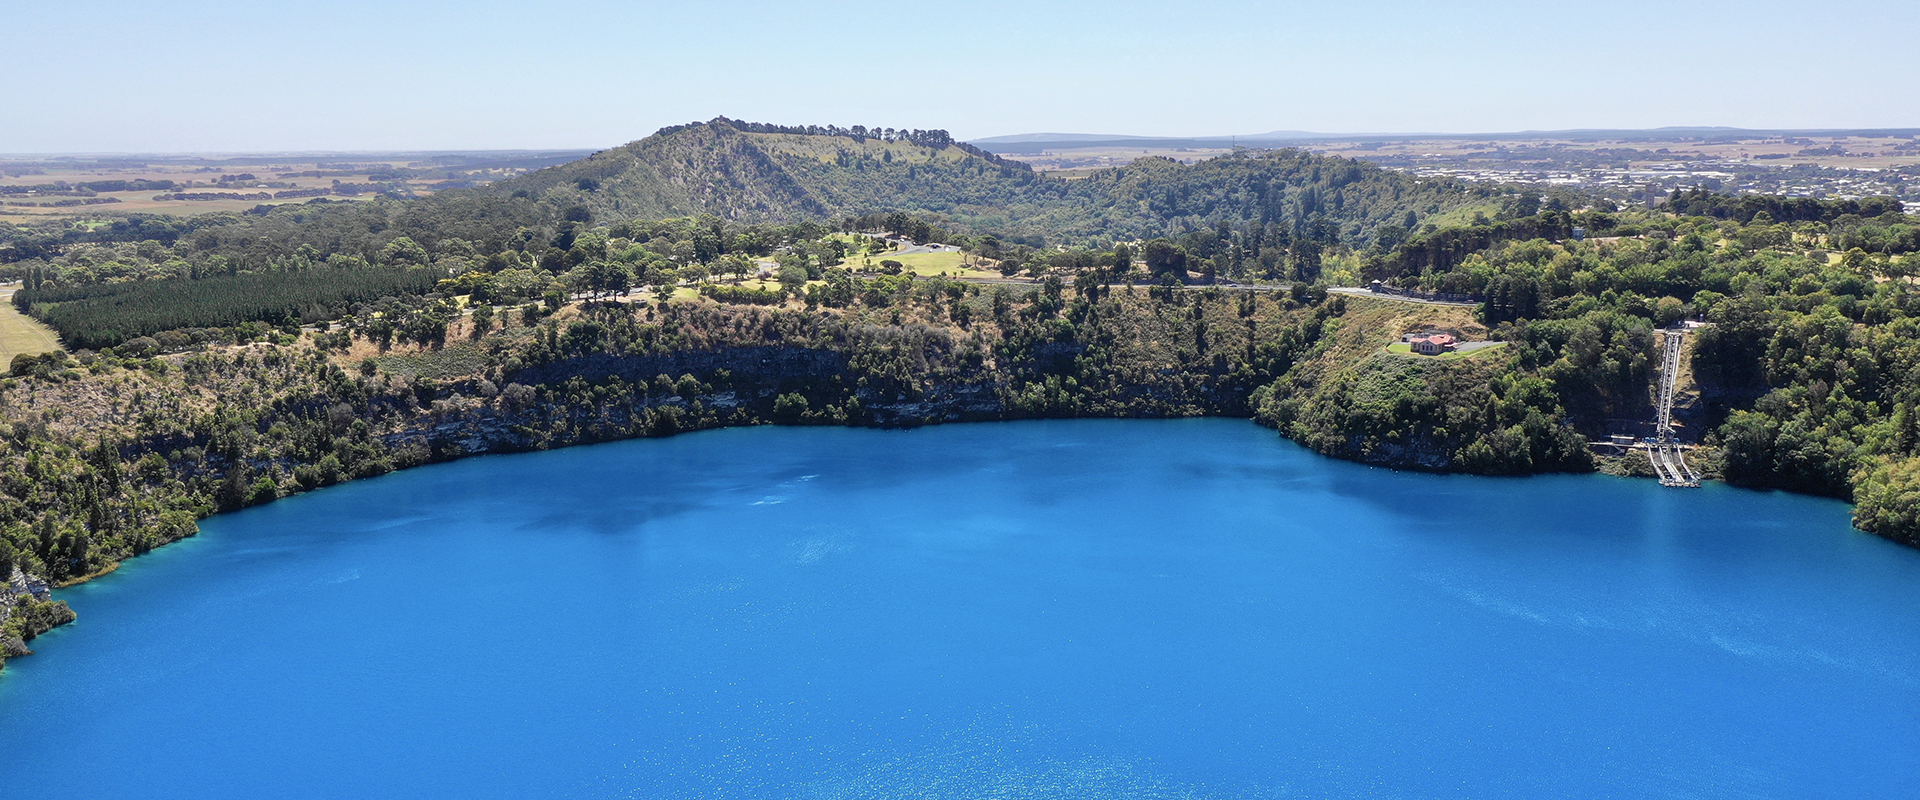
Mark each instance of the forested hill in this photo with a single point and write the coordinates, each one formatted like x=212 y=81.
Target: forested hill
x=748 y=173
x=751 y=172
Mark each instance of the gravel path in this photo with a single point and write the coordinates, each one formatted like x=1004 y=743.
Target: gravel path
x=1359 y=292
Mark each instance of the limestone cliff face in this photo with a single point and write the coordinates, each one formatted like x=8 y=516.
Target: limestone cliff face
x=603 y=397
x=1419 y=452
x=764 y=363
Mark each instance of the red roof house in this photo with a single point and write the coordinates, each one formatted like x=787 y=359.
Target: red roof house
x=1432 y=344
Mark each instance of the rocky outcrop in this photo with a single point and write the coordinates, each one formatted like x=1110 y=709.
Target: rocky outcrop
x=27 y=609
x=765 y=364
x=603 y=397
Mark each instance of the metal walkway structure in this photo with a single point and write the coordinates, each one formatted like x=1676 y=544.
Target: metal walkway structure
x=1663 y=451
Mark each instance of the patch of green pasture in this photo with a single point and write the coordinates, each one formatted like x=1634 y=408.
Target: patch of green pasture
x=926 y=265
x=1462 y=215
x=1404 y=349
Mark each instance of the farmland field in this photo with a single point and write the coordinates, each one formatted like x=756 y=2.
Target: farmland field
x=21 y=334
x=39 y=188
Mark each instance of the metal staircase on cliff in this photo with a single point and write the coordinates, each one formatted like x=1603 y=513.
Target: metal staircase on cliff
x=1664 y=452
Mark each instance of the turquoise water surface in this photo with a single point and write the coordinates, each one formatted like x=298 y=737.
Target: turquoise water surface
x=1081 y=609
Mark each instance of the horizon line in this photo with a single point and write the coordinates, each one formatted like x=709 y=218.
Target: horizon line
x=1014 y=138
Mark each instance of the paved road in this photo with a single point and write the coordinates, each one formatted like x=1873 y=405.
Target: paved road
x=1356 y=291
x=908 y=248
x=1231 y=287
x=924 y=248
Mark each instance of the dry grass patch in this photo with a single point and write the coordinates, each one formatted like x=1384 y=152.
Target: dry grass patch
x=21 y=334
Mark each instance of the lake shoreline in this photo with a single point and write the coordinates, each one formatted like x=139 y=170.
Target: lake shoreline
x=172 y=439
x=1621 y=463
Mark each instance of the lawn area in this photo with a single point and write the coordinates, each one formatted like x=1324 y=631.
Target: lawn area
x=1463 y=215
x=20 y=333
x=1404 y=349
x=926 y=265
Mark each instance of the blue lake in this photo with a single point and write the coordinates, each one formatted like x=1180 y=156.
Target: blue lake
x=1079 y=609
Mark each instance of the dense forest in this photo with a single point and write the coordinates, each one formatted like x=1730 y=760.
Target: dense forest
x=92 y=316
x=219 y=362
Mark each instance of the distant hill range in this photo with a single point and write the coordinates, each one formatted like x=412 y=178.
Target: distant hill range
x=1032 y=143
x=754 y=172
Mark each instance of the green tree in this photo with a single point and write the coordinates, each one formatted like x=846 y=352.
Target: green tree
x=737 y=265
x=793 y=275
x=404 y=251
x=482 y=316
x=611 y=277
x=1887 y=499
x=1163 y=257
x=663 y=279
x=789 y=407
x=1122 y=260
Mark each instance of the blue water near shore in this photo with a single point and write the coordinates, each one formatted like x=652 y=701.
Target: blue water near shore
x=1084 y=609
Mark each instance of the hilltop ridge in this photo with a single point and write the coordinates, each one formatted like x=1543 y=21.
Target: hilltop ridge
x=753 y=172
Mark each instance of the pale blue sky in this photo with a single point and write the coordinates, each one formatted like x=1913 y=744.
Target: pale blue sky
x=254 y=75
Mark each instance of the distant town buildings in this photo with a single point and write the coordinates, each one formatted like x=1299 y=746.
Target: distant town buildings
x=1653 y=182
